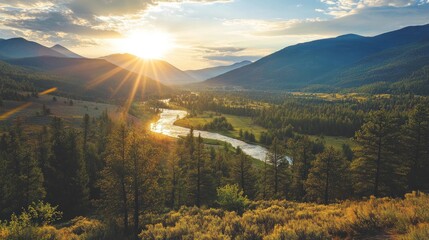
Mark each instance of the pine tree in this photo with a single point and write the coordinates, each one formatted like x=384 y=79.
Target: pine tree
x=31 y=180
x=377 y=168
x=66 y=178
x=129 y=179
x=327 y=179
x=242 y=173
x=115 y=175
x=301 y=151
x=143 y=175
x=21 y=177
x=416 y=147
x=278 y=165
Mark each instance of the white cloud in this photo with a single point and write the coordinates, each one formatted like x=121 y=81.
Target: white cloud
x=341 y=8
x=365 y=21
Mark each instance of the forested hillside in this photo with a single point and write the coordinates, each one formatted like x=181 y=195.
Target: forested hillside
x=386 y=63
x=128 y=181
x=92 y=79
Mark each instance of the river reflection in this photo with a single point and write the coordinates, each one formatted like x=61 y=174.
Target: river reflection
x=165 y=125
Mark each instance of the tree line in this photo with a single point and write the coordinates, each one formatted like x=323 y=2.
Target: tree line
x=125 y=175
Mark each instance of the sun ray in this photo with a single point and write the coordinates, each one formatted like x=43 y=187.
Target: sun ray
x=108 y=74
x=127 y=77
x=23 y=106
x=132 y=93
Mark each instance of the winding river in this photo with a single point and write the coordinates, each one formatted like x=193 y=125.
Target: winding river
x=165 y=125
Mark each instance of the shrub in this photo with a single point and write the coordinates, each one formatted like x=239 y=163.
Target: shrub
x=231 y=198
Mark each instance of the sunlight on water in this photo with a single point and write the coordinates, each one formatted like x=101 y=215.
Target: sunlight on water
x=165 y=125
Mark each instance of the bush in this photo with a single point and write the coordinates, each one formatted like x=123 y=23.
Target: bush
x=231 y=198
x=404 y=218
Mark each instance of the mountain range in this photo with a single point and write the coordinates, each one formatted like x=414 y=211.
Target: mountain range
x=21 y=48
x=387 y=62
x=396 y=61
x=206 y=73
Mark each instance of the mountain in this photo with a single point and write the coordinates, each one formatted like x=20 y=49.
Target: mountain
x=91 y=78
x=64 y=51
x=155 y=69
x=21 y=48
x=348 y=61
x=206 y=73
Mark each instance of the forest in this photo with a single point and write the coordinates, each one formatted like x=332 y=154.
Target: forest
x=112 y=179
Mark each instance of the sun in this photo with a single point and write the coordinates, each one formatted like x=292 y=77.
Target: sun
x=147 y=44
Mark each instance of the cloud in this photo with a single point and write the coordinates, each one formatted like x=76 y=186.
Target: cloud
x=223 y=50
x=366 y=21
x=226 y=54
x=232 y=58
x=58 y=22
x=85 y=20
x=121 y=7
x=340 y=8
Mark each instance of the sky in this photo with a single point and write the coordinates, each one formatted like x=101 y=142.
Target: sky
x=193 y=34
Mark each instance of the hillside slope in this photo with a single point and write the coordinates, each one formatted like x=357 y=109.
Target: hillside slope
x=343 y=62
x=92 y=78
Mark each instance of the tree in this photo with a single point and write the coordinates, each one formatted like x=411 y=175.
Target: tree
x=31 y=180
x=143 y=175
x=416 y=147
x=278 y=178
x=129 y=178
x=302 y=155
x=66 y=178
x=242 y=172
x=115 y=176
x=327 y=179
x=21 y=178
x=231 y=198
x=377 y=168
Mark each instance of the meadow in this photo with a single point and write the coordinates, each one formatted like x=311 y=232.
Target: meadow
x=238 y=122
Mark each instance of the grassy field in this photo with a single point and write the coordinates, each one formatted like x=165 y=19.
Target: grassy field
x=31 y=112
x=335 y=142
x=238 y=122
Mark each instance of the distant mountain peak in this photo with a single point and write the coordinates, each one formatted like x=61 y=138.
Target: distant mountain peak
x=21 y=48
x=65 y=51
x=350 y=36
x=19 y=39
x=58 y=46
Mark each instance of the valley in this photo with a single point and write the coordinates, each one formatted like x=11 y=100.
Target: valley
x=324 y=139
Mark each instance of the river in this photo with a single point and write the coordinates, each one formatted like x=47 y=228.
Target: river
x=165 y=125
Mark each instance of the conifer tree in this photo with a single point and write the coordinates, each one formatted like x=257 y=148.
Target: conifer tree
x=378 y=168
x=416 y=147
x=301 y=151
x=242 y=173
x=278 y=165
x=327 y=179
x=114 y=182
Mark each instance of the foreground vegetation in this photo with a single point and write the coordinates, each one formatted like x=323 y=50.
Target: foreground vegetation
x=405 y=219
x=384 y=218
